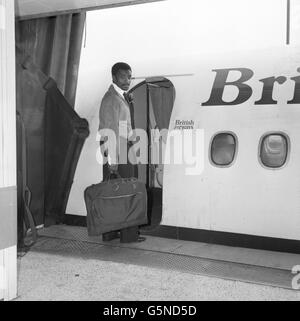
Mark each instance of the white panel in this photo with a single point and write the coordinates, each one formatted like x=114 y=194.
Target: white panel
x=41 y=7
x=8 y=273
x=8 y=257
x=2 y=17
x=2 y=274
x=295 y=22
x=7 y=98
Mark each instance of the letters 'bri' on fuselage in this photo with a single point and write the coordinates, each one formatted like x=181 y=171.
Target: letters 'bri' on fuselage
x=245 y=91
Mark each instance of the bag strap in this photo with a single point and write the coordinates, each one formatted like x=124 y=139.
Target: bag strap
x=26 y=193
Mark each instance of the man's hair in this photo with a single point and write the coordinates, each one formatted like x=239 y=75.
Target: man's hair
x=119 y=66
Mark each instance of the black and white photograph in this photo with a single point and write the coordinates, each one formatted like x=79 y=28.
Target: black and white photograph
x=149 y=151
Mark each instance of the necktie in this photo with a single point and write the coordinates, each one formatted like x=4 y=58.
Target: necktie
x=130 y=109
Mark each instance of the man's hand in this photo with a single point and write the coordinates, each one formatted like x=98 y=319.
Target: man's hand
x=113 y=168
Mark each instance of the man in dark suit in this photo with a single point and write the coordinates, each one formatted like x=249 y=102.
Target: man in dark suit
x=116 y=113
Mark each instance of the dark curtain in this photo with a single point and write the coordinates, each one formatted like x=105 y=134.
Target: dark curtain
x=46 y=47
x=65 y=133
x=54 y=44
x=162 y=98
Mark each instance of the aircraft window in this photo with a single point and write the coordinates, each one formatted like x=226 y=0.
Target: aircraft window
x=223 y=149
x=274 y=150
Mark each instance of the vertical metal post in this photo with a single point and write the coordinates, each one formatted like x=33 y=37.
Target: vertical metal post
x=288 y=21
x=149 y=141
x=8 y=159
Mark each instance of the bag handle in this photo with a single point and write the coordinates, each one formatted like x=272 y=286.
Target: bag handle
x=109 y=176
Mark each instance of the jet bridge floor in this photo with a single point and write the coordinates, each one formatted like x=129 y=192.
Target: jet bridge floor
x=239 y=264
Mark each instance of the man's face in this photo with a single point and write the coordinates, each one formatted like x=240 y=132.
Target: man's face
x=123 y=79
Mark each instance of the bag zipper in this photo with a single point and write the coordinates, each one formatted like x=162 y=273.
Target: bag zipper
x=121 y=196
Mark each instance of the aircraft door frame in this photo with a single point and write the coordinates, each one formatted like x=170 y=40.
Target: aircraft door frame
x=155 y=198
x=8 y=159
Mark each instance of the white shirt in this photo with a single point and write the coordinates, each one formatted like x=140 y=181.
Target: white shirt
x=120 y=91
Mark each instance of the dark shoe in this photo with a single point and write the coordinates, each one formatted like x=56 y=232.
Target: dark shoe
x=129 y=234
x=109 y=236
x=138 y=240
